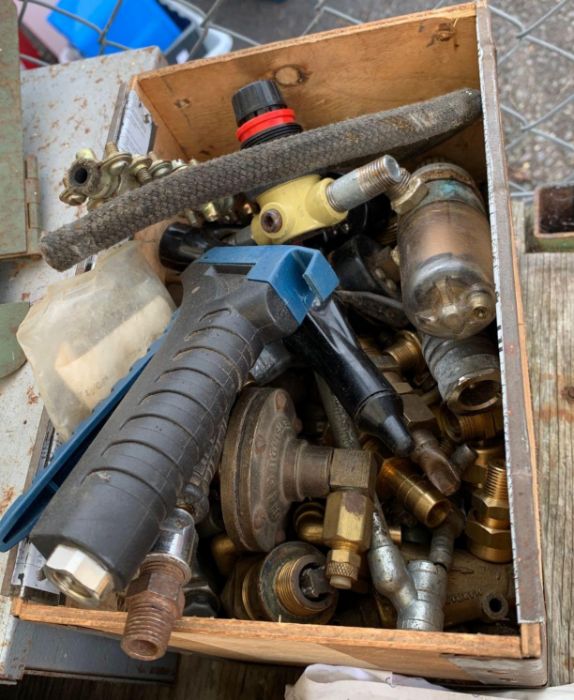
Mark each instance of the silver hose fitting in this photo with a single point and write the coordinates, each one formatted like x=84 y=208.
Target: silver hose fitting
x=381 y=176
x=78 y=575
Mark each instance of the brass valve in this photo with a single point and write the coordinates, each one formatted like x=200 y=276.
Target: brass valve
x=265 y=468
x=488 y=524
x=287 y=585
x=417 y=494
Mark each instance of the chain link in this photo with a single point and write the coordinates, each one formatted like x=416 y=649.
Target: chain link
x=539 y=141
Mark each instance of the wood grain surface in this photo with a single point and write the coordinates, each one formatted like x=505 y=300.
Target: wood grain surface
x=548 y=293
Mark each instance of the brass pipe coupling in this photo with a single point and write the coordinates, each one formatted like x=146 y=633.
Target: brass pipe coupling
x=473 y=426
x=488 y=524
x=400 y=478
x=300 y=206
x=265 y=468
x=287 y=585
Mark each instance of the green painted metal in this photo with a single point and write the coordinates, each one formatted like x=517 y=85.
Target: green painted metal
x=11 y=355
x=13 y=233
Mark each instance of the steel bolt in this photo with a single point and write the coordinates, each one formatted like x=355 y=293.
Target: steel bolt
x=271 y=221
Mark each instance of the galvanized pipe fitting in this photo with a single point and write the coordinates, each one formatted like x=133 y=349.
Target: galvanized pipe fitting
x=381 y=176
x=467 y=372
x=417 y=590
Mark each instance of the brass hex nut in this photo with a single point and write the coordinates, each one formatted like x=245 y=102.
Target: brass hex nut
x=348 y=518
x=486 y=506
x=494 y=538
x=353 y=469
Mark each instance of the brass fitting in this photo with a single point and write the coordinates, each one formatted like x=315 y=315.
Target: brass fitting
x=224 y=553
x=488 y=525
x=413 y=490
x=347 y=531
x=287 y=585
x=308 y=522
x=474 y=426
x=475 y=474
x=407 y=352
x=265 y=469
x=292 y=209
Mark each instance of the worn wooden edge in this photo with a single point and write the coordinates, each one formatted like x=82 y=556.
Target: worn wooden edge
x=112 y=623
x=532 y=639
x=452 y=13
x=518 y=422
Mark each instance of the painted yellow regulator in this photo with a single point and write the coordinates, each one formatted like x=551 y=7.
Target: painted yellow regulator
x=293 y=209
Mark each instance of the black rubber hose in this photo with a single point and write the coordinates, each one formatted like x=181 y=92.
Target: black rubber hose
x=400 y=132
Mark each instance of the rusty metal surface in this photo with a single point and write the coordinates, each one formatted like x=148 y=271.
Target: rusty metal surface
x=13 y=239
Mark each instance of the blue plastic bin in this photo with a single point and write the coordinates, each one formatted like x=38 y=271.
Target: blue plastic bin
x=138 y=23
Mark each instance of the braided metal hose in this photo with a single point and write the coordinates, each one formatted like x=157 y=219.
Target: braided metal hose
x=400 y=132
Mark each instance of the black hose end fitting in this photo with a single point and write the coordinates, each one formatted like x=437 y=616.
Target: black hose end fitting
x=380 y=415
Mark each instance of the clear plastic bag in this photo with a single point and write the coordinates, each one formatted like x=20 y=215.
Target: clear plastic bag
x=88 y=330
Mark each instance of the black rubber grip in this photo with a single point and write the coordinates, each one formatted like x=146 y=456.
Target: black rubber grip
x=127 y=482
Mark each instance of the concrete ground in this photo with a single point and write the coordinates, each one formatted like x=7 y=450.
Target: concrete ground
x=532 y=80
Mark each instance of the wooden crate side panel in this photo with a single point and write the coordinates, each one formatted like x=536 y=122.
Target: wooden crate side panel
x=325 y=77
x=441 y=655
x=518 y=421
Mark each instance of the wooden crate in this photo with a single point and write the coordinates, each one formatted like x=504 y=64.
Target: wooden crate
x=328 y=77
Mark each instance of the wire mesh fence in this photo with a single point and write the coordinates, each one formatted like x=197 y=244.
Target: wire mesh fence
x=535 y=61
